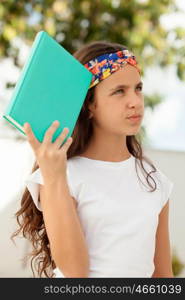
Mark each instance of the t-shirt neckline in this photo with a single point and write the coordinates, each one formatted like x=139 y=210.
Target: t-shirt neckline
x=124 y=162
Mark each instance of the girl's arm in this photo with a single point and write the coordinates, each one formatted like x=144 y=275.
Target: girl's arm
x=67 y=241
x=162 y=258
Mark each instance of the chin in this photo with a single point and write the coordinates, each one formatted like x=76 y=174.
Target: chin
x=133 y=131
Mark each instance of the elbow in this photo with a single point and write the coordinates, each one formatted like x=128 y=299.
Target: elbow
x=78 y=270
x=74 y=268
x=167 y=274
x=75 y=272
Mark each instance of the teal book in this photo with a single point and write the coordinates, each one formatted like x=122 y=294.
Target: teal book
x=52 y=86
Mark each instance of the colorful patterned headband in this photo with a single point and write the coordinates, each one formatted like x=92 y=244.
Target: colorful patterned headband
x=104 y=65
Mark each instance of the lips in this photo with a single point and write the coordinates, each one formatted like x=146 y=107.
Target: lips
x=134 y=119
x=134 y=116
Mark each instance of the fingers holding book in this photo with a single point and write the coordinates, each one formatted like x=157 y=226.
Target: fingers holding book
x=49 y=133
x=58 y=142
x=50 y=156
x=31 y=137
x=48 y=137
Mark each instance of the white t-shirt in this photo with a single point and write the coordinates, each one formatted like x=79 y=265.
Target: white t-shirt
x=119 y=217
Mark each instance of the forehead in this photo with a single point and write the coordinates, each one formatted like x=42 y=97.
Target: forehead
x=128 y=75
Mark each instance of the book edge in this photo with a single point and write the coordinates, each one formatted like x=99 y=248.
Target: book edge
x=14 y=123
x=24 y=71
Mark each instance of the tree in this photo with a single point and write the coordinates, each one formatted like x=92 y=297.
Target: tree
x=134 y=23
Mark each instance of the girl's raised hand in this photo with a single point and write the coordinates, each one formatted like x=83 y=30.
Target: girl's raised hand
x=51 y=157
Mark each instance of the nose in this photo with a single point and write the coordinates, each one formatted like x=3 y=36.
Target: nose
x=134 y=100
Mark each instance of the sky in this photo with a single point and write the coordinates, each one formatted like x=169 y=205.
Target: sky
x=165 y=125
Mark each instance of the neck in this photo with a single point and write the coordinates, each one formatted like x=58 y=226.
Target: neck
x=107 y=148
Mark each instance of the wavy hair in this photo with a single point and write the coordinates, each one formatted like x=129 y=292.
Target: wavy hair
x=29 y=218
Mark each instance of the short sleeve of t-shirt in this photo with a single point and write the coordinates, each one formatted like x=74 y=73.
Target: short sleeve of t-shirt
x=32 y=183
x=166 y=186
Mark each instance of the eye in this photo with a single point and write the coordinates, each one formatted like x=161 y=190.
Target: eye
x=140 y=87
x=118 y=91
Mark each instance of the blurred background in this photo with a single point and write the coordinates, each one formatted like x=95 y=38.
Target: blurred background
x=155 y=32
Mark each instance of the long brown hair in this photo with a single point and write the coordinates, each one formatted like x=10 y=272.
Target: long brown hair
x=29 y=218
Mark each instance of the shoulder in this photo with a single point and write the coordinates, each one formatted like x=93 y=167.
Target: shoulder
x=163 y=183
x=36 y=176
x=156 y=171
x=167 y=185
x=75 y=168
x=72 y=166
x=75 y=176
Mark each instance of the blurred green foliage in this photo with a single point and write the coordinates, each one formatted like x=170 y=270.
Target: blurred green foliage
x=133 y=23
x=177 y=264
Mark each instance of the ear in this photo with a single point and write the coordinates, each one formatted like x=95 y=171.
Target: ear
x=92 y=108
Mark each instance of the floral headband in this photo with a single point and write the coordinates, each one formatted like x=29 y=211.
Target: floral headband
x=104 y=65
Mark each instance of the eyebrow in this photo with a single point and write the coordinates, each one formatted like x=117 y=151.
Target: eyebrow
x=125 y=86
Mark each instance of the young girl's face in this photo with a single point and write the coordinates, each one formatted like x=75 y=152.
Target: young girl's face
x=116 y=98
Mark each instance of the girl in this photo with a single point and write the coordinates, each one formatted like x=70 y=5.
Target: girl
x=96 y=206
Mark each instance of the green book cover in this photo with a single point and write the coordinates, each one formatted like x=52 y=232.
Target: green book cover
x=52 y=86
